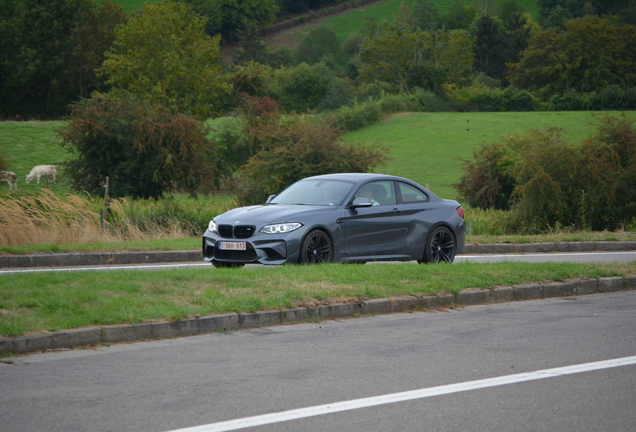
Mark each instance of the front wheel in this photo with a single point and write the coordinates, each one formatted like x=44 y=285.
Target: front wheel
x=316 y=248
x=440 y=246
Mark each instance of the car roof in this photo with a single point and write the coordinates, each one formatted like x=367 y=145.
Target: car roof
x=355 y=177
x=360 y=178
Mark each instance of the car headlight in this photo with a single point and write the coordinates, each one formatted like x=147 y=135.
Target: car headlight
x=280 y=228
x=212 y=226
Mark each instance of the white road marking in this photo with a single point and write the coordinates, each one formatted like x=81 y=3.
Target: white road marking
x=108 y=267
x=582 y=257
x=295 y=414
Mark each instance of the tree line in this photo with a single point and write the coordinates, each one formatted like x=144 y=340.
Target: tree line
x=53 y=53
x=139 y=87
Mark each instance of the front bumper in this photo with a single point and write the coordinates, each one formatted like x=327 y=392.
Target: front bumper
x=271 y=251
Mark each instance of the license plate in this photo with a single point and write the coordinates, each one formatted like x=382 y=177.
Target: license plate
x=232 y=245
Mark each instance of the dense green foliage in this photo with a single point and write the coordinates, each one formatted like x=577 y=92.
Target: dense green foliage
x=144 y=149
x=36 y=50
x=550 y=182
x=277 y=150
x=589 y=54
x=163 y=55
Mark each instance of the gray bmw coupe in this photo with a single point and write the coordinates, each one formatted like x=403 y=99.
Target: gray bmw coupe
x=339 y=218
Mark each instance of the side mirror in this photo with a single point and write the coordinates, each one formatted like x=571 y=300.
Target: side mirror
x=361 y=202
x=270 y=198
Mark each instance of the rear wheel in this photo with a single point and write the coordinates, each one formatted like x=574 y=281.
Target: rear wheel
x=440 y=246
x=223 y=264
x=316 y=248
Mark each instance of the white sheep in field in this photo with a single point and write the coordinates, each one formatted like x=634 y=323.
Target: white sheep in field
x=42 y=171
x=11 y=178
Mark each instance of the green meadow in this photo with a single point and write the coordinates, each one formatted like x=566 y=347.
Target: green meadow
x=429 y=147
x=425 y=147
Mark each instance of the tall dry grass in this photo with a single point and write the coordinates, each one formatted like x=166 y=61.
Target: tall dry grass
x=51 y=219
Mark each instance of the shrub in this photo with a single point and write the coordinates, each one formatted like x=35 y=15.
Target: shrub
x=613 y=98
x=301 y=88
x=484 y=99
x=143 y=148
x=550 y=183
x=299 y=148
x=431 y=102
x=488 y=180
x=354 y=117
x=339 y=94
x=320 y=42
x=401 y=102
x=570 y=100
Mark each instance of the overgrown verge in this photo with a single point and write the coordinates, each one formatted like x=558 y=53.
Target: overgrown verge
x=48 y=218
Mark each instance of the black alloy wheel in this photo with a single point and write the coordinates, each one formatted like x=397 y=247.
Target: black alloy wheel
x=440 y=246
x=316 y=248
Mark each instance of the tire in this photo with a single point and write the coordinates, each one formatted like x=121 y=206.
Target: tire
x=316 y=248
x=223 y=264
x=440 y=246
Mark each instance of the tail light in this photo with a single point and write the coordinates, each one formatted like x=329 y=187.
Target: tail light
x=460 y=212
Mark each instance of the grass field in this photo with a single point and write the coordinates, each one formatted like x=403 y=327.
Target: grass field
x=31 y=303
x=426 y=147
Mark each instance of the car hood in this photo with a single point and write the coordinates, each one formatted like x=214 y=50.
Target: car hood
x=271 y=213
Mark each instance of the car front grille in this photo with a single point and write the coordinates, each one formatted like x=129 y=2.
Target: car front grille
x=238 y=231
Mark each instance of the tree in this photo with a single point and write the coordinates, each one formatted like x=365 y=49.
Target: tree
x=491 y=45
x=212 y=10
x=35 y=48
x=163 y=55
x=458 y=16
x=143 y=148
x=519 y=27
x=404 y=17
x=416 y=59
x=253 y=48
x=301 y=88
x=321 y=42
x=240 y=14
x=252 y=78
x=589 y=54
x=92 y=39
x=426 y=15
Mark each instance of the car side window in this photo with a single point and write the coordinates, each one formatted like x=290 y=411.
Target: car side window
x=410 y=194
x=379 y=192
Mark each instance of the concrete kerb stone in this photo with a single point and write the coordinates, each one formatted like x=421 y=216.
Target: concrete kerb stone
x=259 y=319
x=611 y=284
x=376 y=307
x=527 y=291
x=126 y=333
x=474 y=296
x=227 y=322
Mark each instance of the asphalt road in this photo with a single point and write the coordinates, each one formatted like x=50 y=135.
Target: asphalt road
x=580 y=257
x=200 y=381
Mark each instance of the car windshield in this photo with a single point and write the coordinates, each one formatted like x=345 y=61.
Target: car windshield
x=315 y=192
